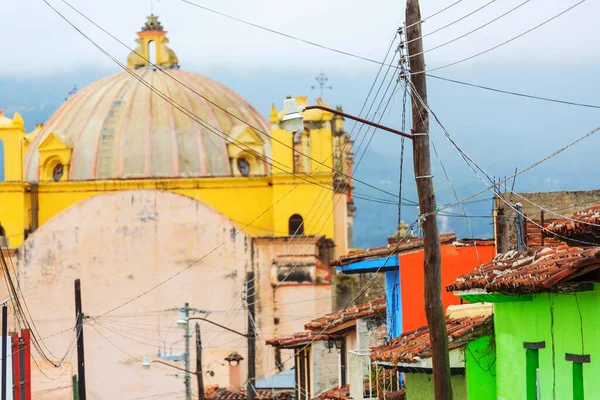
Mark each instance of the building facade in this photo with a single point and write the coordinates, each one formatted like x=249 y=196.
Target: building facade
x=164 y=186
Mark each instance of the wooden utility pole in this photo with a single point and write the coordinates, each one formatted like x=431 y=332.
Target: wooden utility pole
x=434 y=308
x=79 y=330
x=199 y=363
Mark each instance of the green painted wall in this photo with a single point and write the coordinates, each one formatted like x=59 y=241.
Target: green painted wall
x=420 y=387
x=480 y=362
x=548 y=317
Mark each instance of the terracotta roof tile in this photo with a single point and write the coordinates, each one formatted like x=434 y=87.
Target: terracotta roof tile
x=216 y=393
x=530 y=271
x=583 y=221
x=388 y=250
x=343 y=393
x=337 y=393
x=297 y=339
x=333 y=320
x=411 y=347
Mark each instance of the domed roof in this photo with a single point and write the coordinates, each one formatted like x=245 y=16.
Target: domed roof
x=118 y=128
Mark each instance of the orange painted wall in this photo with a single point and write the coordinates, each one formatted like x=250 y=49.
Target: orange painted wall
x=456 y=261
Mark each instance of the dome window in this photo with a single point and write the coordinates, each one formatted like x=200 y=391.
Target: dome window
x=243 y=166
x=57 y=172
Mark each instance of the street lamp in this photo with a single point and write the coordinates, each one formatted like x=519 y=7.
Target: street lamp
x=182 y=319
x=293 y=121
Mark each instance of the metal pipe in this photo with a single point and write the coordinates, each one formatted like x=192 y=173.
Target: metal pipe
x=364 y=121
x=219 y=325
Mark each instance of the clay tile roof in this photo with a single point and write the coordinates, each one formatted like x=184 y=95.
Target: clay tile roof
x=411 y=347
x=329 y=321
x=337 y=393
x=390 y=249
x=343 y=393
x=583 y=221
x=530 y=271
x=297 y=339
x=216 y=393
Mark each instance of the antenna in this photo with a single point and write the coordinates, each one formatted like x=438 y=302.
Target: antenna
x=322 y=80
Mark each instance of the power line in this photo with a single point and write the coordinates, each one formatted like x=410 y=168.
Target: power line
x=383 y=64
x=360 y=293
x=181 y=108
x=451 y=23
x=571 y=103
x=473 y=30
x=296 y=38
x=500 y=44
x=468 y=160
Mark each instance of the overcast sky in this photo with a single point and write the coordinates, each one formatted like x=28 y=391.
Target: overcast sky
x=38 y=42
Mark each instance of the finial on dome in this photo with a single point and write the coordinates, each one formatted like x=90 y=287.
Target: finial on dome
x=152 y=32
x=152 y=24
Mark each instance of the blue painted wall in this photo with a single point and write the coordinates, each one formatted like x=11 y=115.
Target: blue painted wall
x=393 y=302
x=383 y=264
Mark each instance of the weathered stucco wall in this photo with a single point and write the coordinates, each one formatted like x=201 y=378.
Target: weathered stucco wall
x=120 y=245
x=325 y=364
x=555 y=320
x=562 y=203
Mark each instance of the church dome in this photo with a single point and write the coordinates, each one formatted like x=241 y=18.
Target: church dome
x=117 y=128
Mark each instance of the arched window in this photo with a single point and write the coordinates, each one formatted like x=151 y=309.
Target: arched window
x=151 y=53
x=296 y=225
x=243 y=166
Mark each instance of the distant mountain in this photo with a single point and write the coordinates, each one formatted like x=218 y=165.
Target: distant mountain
x=499 y=132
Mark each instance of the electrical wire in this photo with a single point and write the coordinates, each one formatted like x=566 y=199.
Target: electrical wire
x=451 y=23
x=500 y=44
x=383 y=64
x=286 y=35
x=181 y=108
x=470 y=163
x=360 y=293
x=473 y=30
x=464 y=212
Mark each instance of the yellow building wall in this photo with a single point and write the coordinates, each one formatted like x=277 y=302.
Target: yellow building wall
x=13 y=212
x=264 y=202
x=12 y=135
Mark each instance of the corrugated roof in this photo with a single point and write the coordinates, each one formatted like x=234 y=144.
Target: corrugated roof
x=333 y=320
x=390 y=249
x=583 y=221
x=411 y=347
x=531 y=271
x=283 y=380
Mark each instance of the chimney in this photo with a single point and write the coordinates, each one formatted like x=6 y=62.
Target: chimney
x=235 y=381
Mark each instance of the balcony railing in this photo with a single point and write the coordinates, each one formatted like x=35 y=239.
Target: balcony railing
x=367 y=380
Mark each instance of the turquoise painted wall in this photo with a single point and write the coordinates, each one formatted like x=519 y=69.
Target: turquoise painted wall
x=420 y=387
x=480 y=362
x=554 y=319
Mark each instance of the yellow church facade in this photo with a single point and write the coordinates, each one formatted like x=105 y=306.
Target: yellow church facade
x=116 y=134
x=156 y=177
